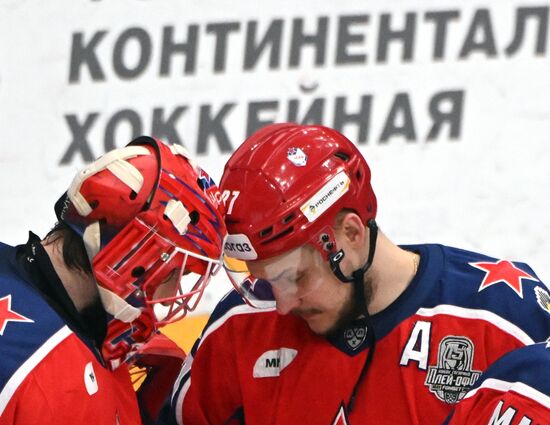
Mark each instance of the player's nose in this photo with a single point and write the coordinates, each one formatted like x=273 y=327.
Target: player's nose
x=286 y=302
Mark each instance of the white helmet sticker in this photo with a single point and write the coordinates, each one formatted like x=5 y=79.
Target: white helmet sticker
x=326 y=196
x=297 y=156
x=239 y=246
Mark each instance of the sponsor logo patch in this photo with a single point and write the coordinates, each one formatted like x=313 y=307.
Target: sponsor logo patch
x=452 y=376
x=326 y=197
x=543 y=298
x=355 y=337
x=239 y=246
x=297 y=156
x=272 y=362
x=90 y=379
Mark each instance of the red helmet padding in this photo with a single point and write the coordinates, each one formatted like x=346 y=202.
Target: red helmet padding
x=115 y=204
x=272 y=188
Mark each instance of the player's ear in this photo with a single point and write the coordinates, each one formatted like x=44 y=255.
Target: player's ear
x=351 y=229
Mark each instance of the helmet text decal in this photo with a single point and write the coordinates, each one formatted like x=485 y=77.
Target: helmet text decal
x=326 y=197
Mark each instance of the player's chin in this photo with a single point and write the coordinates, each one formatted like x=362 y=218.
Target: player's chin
x=320 y=324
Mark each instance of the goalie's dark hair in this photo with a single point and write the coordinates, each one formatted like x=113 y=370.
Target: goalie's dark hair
x=74 y=251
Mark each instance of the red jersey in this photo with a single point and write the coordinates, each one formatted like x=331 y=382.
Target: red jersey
x=48 y=374
x=461 y=312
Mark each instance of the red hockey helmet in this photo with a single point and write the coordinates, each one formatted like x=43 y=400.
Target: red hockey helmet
x=147 y=215
x=283 y=188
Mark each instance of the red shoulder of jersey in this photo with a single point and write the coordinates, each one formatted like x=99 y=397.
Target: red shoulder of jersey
x=47 y=369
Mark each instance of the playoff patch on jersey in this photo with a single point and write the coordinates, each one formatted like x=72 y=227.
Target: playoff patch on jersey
x=272 y=362
x=452 y=376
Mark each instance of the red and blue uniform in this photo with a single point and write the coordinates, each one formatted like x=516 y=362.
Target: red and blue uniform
x=515 y=390
x=49 y=372
x=461 y=312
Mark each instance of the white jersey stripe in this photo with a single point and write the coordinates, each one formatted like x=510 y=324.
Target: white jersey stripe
x=485 y=315
x=27 y=367
x=183 y=373
x=179 y=402
x=235 y=311
x=517 y=387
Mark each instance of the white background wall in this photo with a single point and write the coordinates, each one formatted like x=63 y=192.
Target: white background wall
x=486 y=188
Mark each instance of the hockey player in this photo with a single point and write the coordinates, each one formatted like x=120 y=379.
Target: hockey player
x=134 y=228
x=340 y=325
x=515 y=390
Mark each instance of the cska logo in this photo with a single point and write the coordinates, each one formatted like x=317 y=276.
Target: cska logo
x=297 y=156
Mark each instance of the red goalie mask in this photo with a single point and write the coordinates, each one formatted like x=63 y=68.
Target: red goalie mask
x=152 y=226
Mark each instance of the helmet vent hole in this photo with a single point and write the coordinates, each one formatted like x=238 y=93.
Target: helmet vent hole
x=194 y=216
x=94 y=204
x=358 y=175
x=200 y=182
x=279 y=235
x=138 y=271
x=342 y=155
x=133 y=195
x=266 y=231
x=288 y=218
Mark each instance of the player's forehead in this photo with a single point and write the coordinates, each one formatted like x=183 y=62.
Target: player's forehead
x=295 y=260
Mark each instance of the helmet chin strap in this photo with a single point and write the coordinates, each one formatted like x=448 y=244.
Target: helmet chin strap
x=357 y=277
